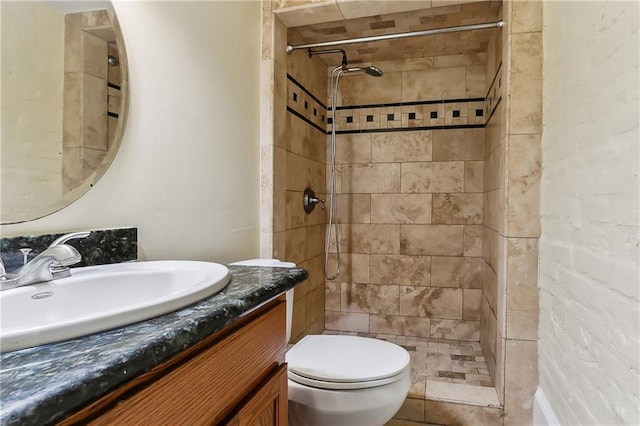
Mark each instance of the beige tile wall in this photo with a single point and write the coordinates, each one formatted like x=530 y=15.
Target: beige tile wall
x=411 y=206
x=518 y=332
x=494 y=200
x=300 y=162
x=511 y=222
x=433 y=78
x=272 y=125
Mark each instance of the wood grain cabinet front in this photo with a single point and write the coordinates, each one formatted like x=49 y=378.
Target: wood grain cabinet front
x=236 y=376
x=267 y=406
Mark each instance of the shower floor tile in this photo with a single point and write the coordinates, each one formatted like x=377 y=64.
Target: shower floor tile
x=438 y=360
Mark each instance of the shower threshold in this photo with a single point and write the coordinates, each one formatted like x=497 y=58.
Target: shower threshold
x=450 y=382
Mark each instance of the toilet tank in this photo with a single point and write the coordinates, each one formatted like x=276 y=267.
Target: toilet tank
x=274 y=263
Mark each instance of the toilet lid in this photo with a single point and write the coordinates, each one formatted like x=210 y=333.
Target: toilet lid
x=346 y=359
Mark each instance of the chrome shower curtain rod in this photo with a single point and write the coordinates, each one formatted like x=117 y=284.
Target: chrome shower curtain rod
x=291 y=48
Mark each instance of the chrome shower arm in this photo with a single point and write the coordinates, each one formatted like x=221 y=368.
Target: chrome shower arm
x=322 y=52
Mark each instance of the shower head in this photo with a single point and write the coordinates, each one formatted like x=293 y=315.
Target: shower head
x=371 y=70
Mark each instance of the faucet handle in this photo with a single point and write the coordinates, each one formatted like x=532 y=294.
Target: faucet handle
x=65 y=256
x=25 y=254
x=74 y=235
x=60 y=268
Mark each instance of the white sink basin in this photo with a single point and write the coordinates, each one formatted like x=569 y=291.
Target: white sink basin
x=98 y=298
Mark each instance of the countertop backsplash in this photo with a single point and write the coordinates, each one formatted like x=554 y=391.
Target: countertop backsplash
x=103 y=246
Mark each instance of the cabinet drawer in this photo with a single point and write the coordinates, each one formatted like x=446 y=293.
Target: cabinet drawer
x=205 y=388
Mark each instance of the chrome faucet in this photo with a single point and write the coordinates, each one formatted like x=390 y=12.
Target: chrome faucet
x=51 y=264
x=71 y=236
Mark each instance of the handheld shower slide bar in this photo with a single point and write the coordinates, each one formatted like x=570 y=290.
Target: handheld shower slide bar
x=498 y=24
x=333 y=228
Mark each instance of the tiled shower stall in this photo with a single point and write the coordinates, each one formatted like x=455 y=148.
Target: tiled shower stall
x=438 y=164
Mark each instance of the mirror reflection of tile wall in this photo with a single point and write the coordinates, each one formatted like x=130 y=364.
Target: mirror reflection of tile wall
x=91 y=94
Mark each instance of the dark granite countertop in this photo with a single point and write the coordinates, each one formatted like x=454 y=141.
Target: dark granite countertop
x=45 y=384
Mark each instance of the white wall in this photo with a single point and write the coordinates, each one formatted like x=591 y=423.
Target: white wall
x=187 y=171
x=589 y=276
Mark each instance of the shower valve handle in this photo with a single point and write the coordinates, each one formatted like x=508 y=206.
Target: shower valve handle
x=316 y=201
x=309 y=200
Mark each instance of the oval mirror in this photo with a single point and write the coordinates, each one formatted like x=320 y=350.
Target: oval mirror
x=64 y=97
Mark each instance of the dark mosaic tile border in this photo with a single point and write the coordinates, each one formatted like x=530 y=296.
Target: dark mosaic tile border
x=305 y=119
x=411 y=129
x=305 y=105
x=304 y=89
x=102 y=247
x=410 y=103
x=438 y=114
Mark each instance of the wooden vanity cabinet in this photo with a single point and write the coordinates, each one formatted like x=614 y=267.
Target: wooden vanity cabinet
x=236 y=376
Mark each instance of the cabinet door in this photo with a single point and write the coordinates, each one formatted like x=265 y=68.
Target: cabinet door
x=267 y=406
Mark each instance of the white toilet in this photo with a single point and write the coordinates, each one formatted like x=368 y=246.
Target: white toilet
x=346 y=381
x=342 y=380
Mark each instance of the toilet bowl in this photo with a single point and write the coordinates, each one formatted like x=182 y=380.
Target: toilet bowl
x=346 y=381
x=337 y=380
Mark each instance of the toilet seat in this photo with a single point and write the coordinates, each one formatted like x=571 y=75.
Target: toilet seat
x=342 y=385
x=346 y=362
